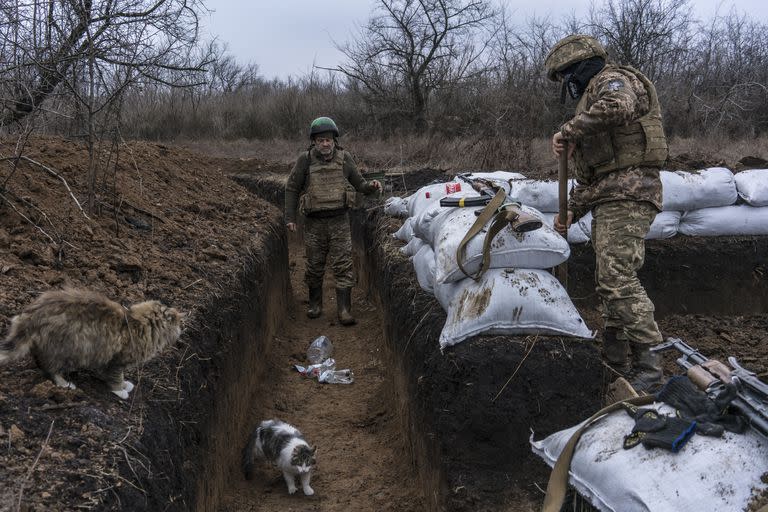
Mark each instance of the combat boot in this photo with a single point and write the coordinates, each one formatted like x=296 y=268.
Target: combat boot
x=646 y=368
x=315 y=301
x=344 y=304
x=616 y=351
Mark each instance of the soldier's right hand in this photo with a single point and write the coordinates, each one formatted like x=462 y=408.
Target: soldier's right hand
x=563 y=230
x=291 y=226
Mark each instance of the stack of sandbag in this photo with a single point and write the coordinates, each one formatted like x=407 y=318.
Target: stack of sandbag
x=750 y=218
x=708 y=473
x=517 y=295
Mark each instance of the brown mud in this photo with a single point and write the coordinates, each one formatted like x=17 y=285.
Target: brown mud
x=419 y=430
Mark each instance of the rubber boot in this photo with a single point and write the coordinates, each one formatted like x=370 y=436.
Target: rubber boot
x=344 y=303
x=646 y=368
x=315 y=301
x=616 y=351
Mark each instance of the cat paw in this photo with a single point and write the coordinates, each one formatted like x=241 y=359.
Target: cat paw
x=291 y=490
x=128 y=386
x=308 y=491
x=60 y=382
x=121 y=393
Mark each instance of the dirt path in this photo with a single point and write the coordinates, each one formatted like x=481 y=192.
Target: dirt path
x=362 y=463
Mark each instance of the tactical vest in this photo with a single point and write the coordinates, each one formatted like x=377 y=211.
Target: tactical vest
x=639 y=143
x=326 y=187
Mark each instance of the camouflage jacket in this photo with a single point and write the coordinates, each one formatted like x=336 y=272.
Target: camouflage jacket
x=612 y=99
x=297 y=180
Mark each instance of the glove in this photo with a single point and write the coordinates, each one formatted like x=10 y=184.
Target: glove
x=693 y=404
x=656 y=430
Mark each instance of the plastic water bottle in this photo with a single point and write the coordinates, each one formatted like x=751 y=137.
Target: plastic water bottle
x=319 y=350
x=337 y=377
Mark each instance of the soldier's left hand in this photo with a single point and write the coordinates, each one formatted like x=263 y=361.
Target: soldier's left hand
x=376 y=184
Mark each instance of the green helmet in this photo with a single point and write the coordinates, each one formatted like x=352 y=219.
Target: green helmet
x=322 y=125
x=570 y=50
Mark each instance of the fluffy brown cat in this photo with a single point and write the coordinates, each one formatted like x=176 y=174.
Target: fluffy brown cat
x=69 y=329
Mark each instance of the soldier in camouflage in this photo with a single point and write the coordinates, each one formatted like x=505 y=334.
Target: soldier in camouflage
x=323 y=184
x=617 y=145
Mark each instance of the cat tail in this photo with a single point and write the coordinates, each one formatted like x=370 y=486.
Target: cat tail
x=16 y=344
x=249 y=455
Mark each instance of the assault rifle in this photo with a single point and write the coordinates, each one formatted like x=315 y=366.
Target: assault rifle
x=519 y=221
x=711 y=376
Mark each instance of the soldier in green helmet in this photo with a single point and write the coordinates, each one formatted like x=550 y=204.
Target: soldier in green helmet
x=617 y=145
x=322 y=185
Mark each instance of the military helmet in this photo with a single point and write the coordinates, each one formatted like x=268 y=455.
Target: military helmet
x=322 y=125
x=570 y=50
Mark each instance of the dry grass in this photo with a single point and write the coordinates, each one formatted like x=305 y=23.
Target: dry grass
x=532 y=157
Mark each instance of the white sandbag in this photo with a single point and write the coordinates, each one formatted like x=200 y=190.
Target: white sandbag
x=424 y=265
x=432 y=215
x=430 y=194
x=708 y=473
x=752 y=186
x=405 y=233
x=412 y=247
x=576 y=234
x=739 y=219
x=683 y=191
x=508 y=301
x=541 y=248
x=542 y=195
x=498 y=176
x=665 y=225
x=396 y=207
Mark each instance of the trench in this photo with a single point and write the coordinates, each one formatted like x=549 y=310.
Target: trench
x=419 y=430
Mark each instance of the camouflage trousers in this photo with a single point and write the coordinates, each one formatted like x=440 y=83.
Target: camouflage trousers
x=618 y=234
x=328 y=238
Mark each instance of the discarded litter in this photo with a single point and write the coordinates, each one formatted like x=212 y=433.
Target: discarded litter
x=326 y=372
x=319 y=350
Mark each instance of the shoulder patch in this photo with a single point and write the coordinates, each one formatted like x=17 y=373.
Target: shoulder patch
x=615 y=85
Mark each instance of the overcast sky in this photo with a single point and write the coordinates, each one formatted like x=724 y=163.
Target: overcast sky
x=286 y=37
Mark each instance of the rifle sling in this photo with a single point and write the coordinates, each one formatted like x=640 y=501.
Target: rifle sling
x=558 y=479
x=487 y=213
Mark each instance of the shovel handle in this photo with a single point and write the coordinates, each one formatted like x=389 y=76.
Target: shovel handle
x=562 y=178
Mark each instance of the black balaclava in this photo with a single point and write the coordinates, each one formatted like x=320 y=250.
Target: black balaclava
x=577 y=76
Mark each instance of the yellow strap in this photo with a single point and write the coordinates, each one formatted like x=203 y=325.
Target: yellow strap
x=485 y=216
x=558 y=479
x=461 y=203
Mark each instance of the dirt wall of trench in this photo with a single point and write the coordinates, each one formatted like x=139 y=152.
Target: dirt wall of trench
x=229 y=336
x=469 y=437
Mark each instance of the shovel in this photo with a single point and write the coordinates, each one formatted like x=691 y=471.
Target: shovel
x=561 y=271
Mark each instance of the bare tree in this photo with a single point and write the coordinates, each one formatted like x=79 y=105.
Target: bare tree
x=410 y=48
x=646 y=34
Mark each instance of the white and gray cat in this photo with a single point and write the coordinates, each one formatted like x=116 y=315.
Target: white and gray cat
x=68 y=330
x=284 y=446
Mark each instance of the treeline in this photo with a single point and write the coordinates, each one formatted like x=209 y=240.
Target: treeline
x=453 y=68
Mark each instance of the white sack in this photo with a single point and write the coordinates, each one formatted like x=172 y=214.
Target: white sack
x=432 y=215
x=665 y=225
x=424 y=265
x=498 y=176
x=430 y=194
x=542 y=195
x=726 y=220
x=412 y=247
x=405 y=233
x=683 y=191
x=508 y=301
x=708 y=473
x=541 y=248
x=752 y=186
x=396 y=207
